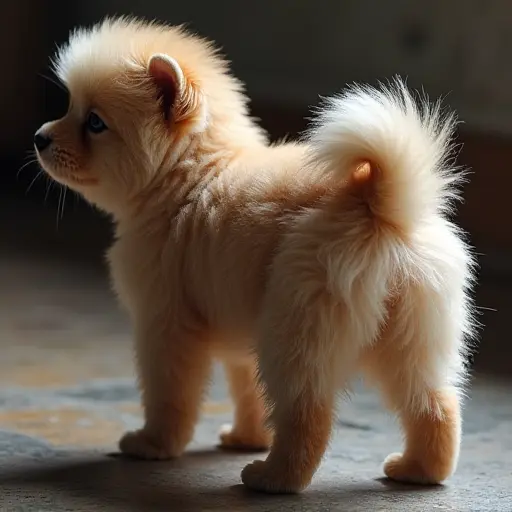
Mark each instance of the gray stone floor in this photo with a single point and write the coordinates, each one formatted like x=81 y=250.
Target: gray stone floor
x=67 y=392
x=38 y=475
x=34 y=475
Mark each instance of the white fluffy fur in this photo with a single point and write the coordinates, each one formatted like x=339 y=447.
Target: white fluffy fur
x=409 y=142
x=416 y=249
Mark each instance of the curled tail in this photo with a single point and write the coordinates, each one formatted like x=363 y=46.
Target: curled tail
x=406 y=148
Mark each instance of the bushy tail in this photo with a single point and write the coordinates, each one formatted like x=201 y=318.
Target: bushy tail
x=407 y=144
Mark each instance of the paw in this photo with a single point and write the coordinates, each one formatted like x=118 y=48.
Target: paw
x=403 y=469
x=231 y=439
x=142 y=445
x=264 y=477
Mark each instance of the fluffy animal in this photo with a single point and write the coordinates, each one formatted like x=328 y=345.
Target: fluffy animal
x=297 y=264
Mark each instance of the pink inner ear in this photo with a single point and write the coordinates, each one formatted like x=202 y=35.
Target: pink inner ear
x=165 y=81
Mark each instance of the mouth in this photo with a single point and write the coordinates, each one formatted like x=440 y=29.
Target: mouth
x=67 y=178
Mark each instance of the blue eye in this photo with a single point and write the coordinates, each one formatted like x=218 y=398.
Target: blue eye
x=95 y=124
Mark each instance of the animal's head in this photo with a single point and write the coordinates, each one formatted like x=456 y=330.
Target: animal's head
x=139 y=95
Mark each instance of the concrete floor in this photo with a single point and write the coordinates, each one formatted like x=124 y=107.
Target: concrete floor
x=67 y=393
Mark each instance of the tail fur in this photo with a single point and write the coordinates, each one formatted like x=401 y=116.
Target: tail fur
x=408 y=145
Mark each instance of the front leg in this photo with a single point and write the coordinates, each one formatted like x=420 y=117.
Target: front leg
x=173 y=367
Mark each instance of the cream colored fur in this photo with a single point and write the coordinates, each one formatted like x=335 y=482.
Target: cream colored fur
x=309 y=261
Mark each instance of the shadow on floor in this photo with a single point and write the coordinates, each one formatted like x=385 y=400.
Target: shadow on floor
x=189 y=485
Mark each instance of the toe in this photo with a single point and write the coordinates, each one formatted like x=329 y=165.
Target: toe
x=260 y=476
x=404 y=469
x=140 y=445
x=233 y=440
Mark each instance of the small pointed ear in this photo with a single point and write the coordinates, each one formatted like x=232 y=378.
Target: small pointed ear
x=181 y=99
x=168 y=77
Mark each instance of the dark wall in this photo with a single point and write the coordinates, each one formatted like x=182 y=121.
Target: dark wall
x=288 y=54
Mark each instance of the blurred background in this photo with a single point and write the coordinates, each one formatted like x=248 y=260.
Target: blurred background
x=288 y=54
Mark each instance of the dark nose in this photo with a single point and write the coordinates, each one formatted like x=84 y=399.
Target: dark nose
x=42 y=141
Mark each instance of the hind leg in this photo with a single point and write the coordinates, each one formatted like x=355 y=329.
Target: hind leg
x=301 y=389
x=302 y=432
x=417 y=365
x=432 y=441
x=248 y=431
x=305 y=357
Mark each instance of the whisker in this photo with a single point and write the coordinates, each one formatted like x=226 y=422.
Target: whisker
x=25 y=165
x=58 y=207
x=63 y=202
x=483 y=308
x=49 y=185
x=31 y=153
x=34 y=180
